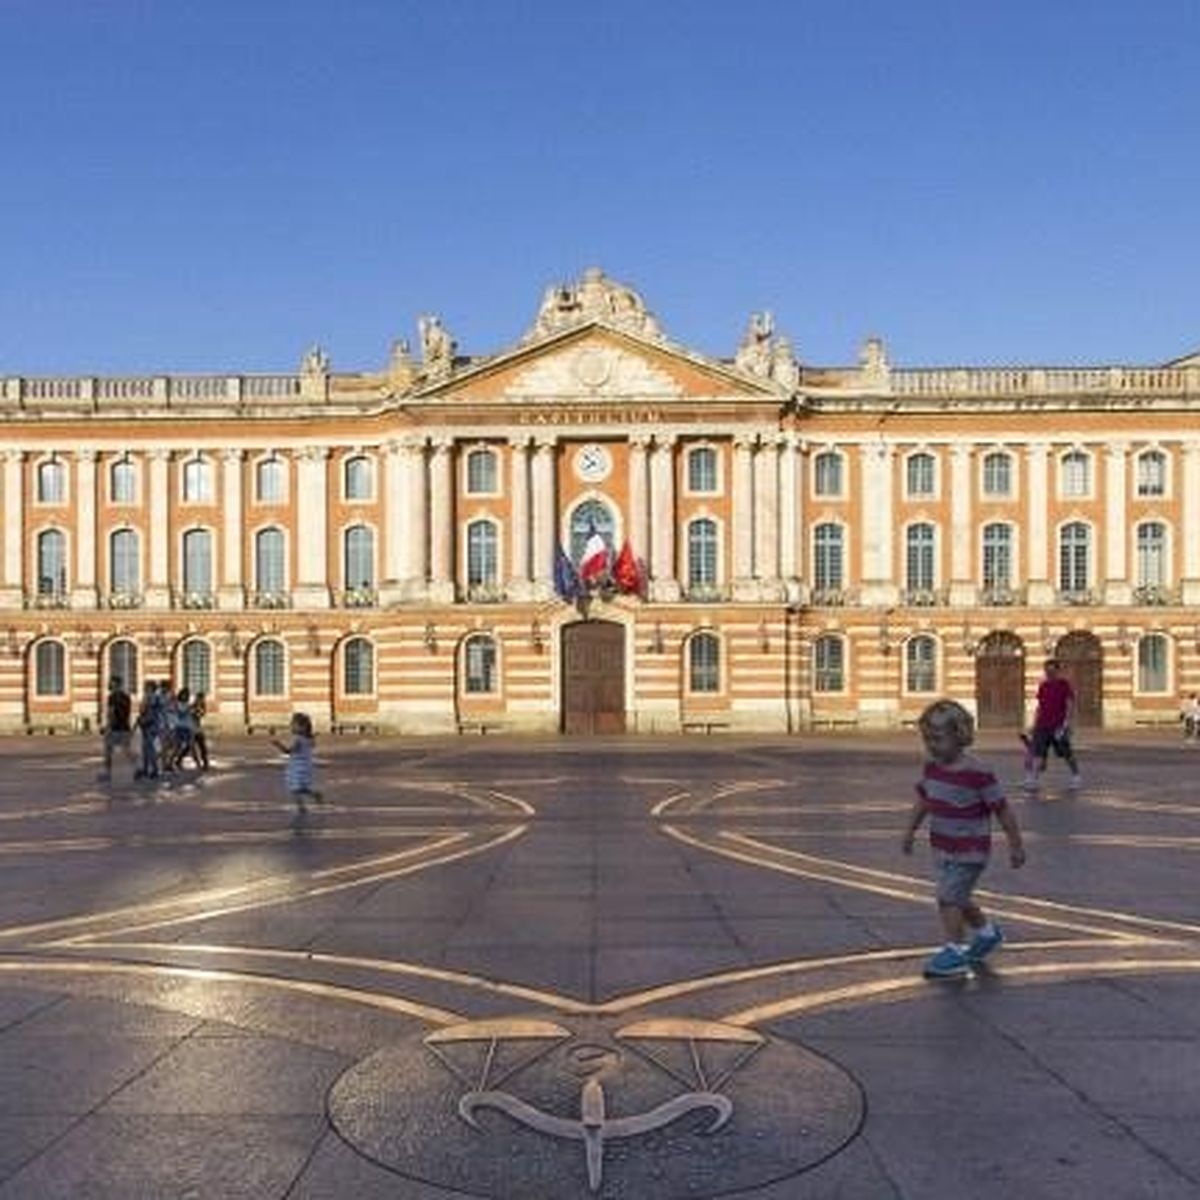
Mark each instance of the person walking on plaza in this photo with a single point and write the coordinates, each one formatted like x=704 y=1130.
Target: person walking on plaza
x=1189 y=714
x=118 y=731
x=298 y=775
x=1052 y=725
x=960 y=795
x=147 y=723
x=200 y=742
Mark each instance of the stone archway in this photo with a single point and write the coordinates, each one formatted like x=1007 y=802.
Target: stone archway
x=593 y=677
x=1000 y=682
x=1082 y=660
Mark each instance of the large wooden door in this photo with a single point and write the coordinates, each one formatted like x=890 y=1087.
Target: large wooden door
x=1000 y=682
x=593 y=677
x=1082 y=662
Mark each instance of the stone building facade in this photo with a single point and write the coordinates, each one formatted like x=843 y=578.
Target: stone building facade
x=819 y=546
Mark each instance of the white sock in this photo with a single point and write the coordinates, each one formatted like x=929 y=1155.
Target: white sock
x=987 y=929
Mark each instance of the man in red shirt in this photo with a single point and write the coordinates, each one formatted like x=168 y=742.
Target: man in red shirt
x=1052 y=725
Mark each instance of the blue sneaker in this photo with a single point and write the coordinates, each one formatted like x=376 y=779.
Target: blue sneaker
x=982 y=944
x=948 y=963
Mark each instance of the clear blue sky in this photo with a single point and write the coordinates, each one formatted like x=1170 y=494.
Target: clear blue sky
x=216 y=184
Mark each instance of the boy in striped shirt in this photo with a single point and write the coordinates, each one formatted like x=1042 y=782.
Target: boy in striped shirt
x=960 y=795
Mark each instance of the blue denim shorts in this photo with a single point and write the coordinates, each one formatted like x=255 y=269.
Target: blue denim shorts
x=956 y=881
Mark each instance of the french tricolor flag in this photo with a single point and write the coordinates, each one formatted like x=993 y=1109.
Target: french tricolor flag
x=593 y=564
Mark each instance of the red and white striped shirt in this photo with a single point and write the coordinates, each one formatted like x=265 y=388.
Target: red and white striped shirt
x=960 y=801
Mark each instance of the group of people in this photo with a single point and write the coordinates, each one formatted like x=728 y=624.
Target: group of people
x=170 y=725
x=960 y=796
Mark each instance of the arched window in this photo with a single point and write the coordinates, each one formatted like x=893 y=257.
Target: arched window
x=480 y=664
x=269 y=573
x=704 y=663
x=197 y=481
x=122 y=482
x=270 y=480
x=268 y=668
x=997 y=474
x=1152 y=473
x=591 y=515
x=50 y=669
x=123 y=562
x=196 y=667
x=919 y=474
x=702 y=553
x=1152 y=660
x=1074 y=552
x=481 y=473
x=483 y=568
x=1076 y=474
x=827 y=473
x=359 y=565
x=829 y=664
x=828 y=557
x=919 y=558
x=702 y=470
x=920 y=664
x=52 y=563
x=1151 y=554
x=997 y=556
x=123 y=665
x=197 y=563
x=51 y=482
x=358 y=667
x=359 y=478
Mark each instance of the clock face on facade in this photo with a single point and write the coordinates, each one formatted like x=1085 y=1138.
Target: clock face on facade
x=592 y=463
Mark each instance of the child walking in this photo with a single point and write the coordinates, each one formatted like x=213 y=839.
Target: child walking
x=960 y=795
x=298 y=774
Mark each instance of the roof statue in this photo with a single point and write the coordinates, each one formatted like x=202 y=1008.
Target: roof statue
x=754 y=353
x=437 y=347
x=873 y=363
x=594 y=298
x=314 y=362
x=784 y=369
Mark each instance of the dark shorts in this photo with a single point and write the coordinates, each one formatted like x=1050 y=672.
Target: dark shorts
x=1045 y=740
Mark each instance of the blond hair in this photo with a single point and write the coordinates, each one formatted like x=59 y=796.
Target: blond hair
x=949 y=714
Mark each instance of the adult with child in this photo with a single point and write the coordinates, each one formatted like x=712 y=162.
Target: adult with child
x=959 y=795
x=1052 y=725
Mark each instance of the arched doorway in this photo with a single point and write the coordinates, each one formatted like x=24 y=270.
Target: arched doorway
x=1000 y=682
x=593 y=677
x=1082 y=660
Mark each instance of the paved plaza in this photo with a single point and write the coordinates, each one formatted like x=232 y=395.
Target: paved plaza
x=556 y=970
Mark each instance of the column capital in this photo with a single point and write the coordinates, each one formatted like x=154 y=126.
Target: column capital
x=545 y=441
x=665 y=441
x=14 y=456
x=233 y=454
x=413 y=443
x=1190 y=448
x=314 y=453
x=442 y=445
x=158 y=454
x=640 y=441
x=86 y=454
x=518 y=441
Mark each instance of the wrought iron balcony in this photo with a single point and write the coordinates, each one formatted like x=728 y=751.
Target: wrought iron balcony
x=1156 y=593
x=1077 y=596
x=925 y=597
x=124 y=600
x=485 y=593
x=360 y=597
x=195 y=599
x=50 y=599
x=1001 y=595
x=705 y=593
x=832 y=597
x=270 y=599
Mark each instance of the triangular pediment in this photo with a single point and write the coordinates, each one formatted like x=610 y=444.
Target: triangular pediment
x=598 y=364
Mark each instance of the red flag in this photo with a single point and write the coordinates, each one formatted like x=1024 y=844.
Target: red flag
x=627 y=572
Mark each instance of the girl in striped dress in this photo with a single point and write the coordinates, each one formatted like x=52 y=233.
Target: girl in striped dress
x=298 y=774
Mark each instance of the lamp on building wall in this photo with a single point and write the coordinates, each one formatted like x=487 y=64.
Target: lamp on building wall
x=885 y=635
x=1049 y=641
x=158 y=640
x=969 y=644
x=430 y=637
x=1124 y=643
x=537 y=639
x=232 y=641
x=656 y=639
x=14 y=643
x=84 y=641
x=314 y=639
x=764 y=638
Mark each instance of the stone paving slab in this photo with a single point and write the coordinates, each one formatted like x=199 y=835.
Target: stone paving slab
x=547 y=970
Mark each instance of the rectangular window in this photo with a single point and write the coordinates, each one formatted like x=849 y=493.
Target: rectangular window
x=702 y=470
x=481 y=665
x=1152 y=663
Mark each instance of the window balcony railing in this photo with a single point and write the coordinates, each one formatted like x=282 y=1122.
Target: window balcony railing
x=52 y=599
x=1001 y=595
x=360 y=597
x=485 y=593
x=925 y=597
x=705 y=593
x=830 y=597
x=270 y=599
x=1156 y=593
x=195 y=599
x=1078 y=596
x=123 y=600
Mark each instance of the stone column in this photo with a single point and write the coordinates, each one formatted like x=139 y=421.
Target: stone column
x=766 y=524
x=312 y=537
x=1190 y=532
x=639 y=494
x=83 y=591
x=1041 y=589
x=789 y=516
x=394 y=523
x=416 y=561
x=441 y=522
x=878 y=560
x=12 y=594
x=664 y=585
x=230 y=591
x=518 y=538
x=158 y=581
x=1117 y=583
x=545 y=533
x=742 y=494
x=962 y=533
